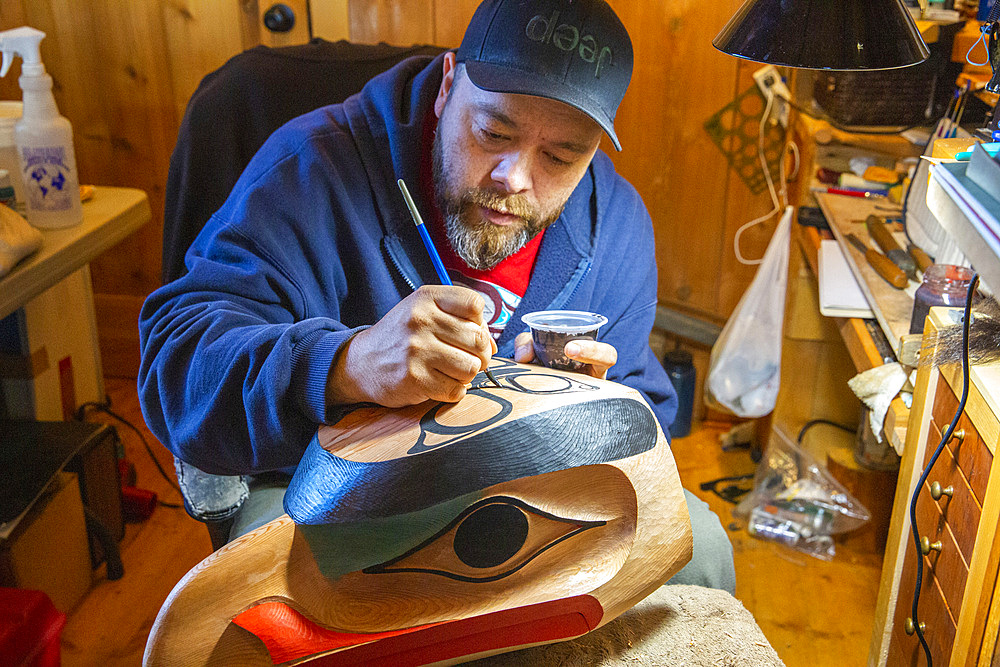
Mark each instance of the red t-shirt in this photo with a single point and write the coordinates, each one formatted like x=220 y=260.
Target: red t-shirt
x=503 y=286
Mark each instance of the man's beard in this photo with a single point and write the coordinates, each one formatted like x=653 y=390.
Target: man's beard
x=480 y=243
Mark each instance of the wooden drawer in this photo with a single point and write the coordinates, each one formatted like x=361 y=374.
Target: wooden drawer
x=940 y=631
x=947 y=564
x=962 y=511
x=973 y=457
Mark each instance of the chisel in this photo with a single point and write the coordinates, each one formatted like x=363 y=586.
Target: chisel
x=878 y=231
x=882 y=264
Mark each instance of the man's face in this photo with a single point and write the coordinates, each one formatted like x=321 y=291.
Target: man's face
x=504 y=166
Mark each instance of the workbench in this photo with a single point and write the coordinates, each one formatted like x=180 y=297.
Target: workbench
x=49 y=356
x=833 y=350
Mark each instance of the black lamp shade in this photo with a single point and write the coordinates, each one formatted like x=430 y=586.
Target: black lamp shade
x=824 y=34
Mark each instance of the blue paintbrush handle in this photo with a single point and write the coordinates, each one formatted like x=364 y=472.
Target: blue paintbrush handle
x=424 y=236
x=435 y=257
x=432 y=251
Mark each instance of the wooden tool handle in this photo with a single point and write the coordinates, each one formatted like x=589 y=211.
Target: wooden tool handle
x=878 y=231
x=885 y=268
x=920 y=257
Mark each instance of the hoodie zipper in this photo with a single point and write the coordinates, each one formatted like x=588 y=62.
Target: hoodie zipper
x=391 y=244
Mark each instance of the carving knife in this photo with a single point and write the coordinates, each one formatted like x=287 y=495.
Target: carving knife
x=883 y=237
x=882 y=264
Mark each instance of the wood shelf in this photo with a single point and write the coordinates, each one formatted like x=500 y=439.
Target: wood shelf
x=108 y=218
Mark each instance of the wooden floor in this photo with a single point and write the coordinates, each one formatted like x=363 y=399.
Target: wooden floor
x=814 y=613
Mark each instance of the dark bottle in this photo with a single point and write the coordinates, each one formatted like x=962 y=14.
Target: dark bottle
x=678 y=365
x=943 y=285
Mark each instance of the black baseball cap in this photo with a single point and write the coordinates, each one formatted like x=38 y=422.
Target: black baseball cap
x=573 y=51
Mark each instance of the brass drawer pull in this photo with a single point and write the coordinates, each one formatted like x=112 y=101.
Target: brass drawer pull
x=937 y=491
x=909 y=629
x=959 y=435
x=926 y=546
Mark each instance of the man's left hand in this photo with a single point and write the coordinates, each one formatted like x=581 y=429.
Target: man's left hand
x=599 y=356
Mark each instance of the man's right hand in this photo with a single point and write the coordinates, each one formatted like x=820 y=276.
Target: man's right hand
x=429 y=346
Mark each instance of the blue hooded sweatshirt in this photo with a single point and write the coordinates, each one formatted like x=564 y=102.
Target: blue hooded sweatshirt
x=315 y=243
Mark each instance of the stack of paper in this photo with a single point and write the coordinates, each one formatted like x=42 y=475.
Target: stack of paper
x=962 y=197
x=839 y=292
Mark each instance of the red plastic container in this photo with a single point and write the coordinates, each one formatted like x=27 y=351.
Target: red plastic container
x=30 y=627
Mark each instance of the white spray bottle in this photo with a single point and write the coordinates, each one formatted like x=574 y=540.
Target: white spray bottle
x=44 y=139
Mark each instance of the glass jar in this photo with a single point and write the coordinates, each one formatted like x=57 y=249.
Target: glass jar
x=943 y=285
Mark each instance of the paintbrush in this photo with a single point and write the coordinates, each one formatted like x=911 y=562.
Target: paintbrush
x=432 y=251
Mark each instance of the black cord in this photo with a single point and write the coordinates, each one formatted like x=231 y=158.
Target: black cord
x=813 y=422
x=105 y=407
x=730 y=493
x=945 y=437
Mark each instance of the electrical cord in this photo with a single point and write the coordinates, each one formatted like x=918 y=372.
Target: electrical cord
x=776 y=203
x=945 y=437
x=731 y=493
x=813 y=422
x=105 y=407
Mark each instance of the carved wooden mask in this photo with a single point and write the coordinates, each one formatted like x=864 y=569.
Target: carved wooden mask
x=437 y=533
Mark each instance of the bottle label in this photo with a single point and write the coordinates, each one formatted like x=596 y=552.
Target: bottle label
x=47 y=179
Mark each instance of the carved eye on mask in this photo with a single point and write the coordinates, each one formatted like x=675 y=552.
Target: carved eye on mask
x=490 y=540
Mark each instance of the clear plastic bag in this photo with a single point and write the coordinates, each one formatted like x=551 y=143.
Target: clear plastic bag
x=745 y=366
x=796 y=502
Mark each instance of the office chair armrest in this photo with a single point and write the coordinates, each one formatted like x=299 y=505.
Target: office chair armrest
x=210 y=498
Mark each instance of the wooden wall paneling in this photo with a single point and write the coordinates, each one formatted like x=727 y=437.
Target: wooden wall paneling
x=450 y=19
x=401 y=22
x=679 y=81
x=330 y=19
x=117 y=333
x=200 y=36
x=112 y=82
x=12 y=13
x=123 y=72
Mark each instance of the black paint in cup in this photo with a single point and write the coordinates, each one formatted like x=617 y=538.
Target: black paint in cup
x=552 y=329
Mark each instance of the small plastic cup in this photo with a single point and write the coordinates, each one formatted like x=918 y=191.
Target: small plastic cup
x=552 y=329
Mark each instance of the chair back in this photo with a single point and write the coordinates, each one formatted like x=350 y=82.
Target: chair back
x=238 y=106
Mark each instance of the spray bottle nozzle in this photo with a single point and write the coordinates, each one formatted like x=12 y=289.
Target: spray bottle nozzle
x=8 y=59
x=23 y=42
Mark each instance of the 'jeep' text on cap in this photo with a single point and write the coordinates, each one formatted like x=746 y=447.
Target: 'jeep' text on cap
x=573 y=51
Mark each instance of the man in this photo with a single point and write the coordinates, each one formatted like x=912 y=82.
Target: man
x=302 y=299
